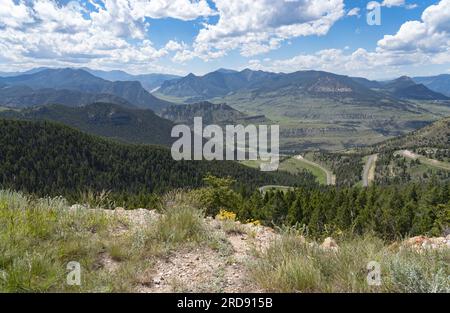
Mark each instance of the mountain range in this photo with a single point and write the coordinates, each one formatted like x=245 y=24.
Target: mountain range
x=403 y=87
x=221 y=83
x=31 y=86
x=439 y=83
x=317 y=109
x=314 y=109
x=149 y=81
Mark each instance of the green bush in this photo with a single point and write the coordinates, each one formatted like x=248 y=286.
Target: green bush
x=218 y=194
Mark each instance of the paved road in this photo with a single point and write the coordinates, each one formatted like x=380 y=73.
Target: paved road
x=331 y=178
x=369 y=170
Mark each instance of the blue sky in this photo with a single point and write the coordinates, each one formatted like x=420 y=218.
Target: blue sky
x=199 y=36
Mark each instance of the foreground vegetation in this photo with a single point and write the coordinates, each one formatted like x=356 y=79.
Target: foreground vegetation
x=390 y=212
x=118 y=252
x=291 y=264
x=39 y=237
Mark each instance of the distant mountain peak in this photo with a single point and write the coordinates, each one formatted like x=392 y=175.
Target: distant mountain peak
x=225 y=71
x=406 y=88
x=404 y=78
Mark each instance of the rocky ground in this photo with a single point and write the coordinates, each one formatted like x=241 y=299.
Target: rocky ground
x=203 y=269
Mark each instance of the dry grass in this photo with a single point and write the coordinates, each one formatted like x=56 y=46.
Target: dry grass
x=293 y=265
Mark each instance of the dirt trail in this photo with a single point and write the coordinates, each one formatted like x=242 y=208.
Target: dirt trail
x=432 y=162
x=202 y=269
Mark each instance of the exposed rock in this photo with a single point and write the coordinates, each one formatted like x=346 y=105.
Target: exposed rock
x=77 y=207
x=329 y=244
x=423 y=242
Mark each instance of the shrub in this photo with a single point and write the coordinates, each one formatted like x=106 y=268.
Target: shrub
x=218 y=194
x=181 y=223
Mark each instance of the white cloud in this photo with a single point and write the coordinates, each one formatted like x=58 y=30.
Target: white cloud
x=359 y=62
x=417 y=43
x=393 y=3
x=14 y=15
x=431 y=34
x=354 y=12
x=259 y=26
x=398 y=3
x=179 y=9
x=172 y=45
x=114 y=34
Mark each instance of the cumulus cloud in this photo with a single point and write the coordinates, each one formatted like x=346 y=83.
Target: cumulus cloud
x=180 y=9
x=416 y=43
x=114 y=32
x=14 y=15
x=256 y=27
x=431 y=34
x=359 y=62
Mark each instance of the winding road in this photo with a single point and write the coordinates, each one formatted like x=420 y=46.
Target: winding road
x=369 y=170
x=331 y=178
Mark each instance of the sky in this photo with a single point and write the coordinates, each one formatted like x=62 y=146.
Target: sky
x=377 y=40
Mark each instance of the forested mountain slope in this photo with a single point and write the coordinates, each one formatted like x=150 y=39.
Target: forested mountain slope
x=104 y=119
x=50 y=159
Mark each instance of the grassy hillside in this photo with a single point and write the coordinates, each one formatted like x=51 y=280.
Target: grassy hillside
x=104 y=119
x=436 y=135
x=50 y=159
x=294 y=165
